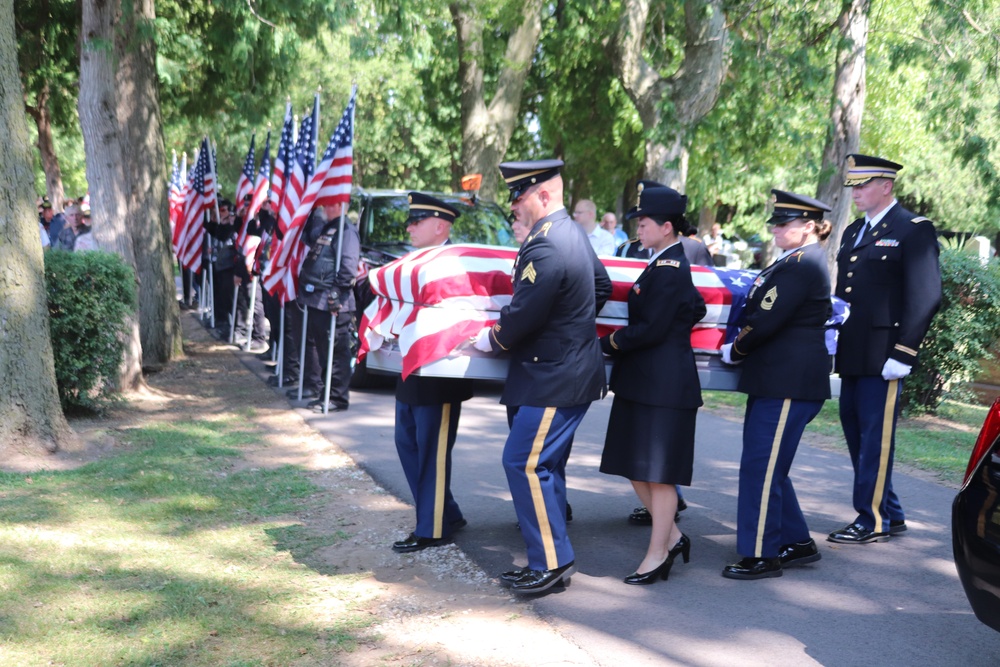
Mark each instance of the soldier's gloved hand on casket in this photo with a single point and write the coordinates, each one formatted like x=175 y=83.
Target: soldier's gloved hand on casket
x=482 y=342
x=333 y=301
x=895 y=370
x=727 y=354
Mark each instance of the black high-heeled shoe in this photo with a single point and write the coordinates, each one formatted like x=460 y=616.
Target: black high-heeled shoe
x=683 y=547
x=661 y=571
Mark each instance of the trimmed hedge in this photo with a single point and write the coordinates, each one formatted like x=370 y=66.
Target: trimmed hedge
x=961 y=333
x=90 y=296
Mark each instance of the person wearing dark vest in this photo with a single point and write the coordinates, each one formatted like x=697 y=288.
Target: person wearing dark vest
x=328 y=292
x=786 y=376
x=888 y=271
x=650 y=434
x=428 y=409
x=556 y=367
x=221 y=237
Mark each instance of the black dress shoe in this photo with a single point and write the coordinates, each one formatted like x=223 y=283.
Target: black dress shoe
x=317 y=407
x=753 y=568
x=288 y=381
x=415 y=543
x=897 y=526
x=799 y=553
x=509 y=577
x=661 y=571
x=458 y=524
x=293 y=394
x=640 y=516
x=855 y=534
x=536 y=581
x=569 y=512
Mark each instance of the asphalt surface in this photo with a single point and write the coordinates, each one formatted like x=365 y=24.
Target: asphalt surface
x=890 y=603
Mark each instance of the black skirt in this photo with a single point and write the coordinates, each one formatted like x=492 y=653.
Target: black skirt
x=649 y=443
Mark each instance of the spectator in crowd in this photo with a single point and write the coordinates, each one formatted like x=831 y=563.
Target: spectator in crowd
x=714 y=240
x=694 y=250
x=585 y=215
x=67 y=237
x=609 y=222
x=221 y=237
x=84 y=238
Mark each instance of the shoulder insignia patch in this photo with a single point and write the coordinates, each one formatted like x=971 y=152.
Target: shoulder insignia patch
x=544 y=231
x=529 y=274
x=668 y=262
x=769 y=298
x=920 y=218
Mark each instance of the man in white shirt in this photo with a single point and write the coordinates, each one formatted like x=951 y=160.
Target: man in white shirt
x=585 y=215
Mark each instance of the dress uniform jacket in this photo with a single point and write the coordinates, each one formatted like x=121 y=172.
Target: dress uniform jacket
x=696 y=251
x=549 y=326
x=654 y=363
x=892 y=281
x=632 y=249
x=783 y=342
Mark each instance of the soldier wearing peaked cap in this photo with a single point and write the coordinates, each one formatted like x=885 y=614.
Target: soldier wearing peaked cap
x=786 y=370
x=556 y=368
x=428 y=409
x=650 y=436
x=888 y=271
x=695 y=251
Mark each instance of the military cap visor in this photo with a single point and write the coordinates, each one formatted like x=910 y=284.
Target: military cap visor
x=424 y=206
x=520 y=176
x=863 y=168
x=789 y=206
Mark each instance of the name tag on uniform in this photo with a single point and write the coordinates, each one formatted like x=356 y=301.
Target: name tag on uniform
x=668 y=262
x=887 y=243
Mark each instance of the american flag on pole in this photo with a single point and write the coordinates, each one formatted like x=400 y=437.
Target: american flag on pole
x=176 y=196
x=178 y=222
x=283 y=159
x=248 y=243
x=245 y=183
x=434 y=300
x=200 y=197
x=281 y=278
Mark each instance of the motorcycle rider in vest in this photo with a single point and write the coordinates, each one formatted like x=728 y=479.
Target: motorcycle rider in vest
x=328 y=293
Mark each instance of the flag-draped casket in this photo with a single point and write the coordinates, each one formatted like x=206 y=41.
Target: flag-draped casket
x=430 y=303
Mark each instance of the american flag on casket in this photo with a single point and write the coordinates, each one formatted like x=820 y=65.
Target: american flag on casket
x=432 y=301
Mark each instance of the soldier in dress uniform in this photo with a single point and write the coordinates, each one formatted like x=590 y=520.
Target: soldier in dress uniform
x=786 y=369
x=888 y=271
x=556 y=367
x=427 y=411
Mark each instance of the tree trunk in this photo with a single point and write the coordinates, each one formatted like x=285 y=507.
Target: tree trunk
x=30 y=414
x=47 y=149
x=846 y=109
x=693 y=89
x=147 y=203
x=486 y=129
x=106 y=168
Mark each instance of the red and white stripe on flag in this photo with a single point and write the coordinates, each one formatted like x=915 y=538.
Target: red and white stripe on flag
x=434 y=300
x=199 y=198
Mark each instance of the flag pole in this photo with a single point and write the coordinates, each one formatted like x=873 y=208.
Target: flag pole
x=340 y=254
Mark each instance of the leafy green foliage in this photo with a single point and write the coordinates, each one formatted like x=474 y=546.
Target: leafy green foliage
x=960 y=334
x=90 y=295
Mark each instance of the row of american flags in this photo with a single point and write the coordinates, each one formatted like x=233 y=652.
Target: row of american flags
x=294 y=184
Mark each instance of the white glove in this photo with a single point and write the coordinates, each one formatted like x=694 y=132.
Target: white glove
x=482 y=342
x=895 y=370
x=727 y=354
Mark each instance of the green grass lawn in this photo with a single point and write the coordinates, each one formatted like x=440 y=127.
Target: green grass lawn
x=170 y=553
x=940 y=446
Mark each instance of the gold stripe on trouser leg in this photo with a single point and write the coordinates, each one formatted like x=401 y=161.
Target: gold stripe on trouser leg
x=765 y=494
x=537 y=499
x=440 y=474
x=883 y=458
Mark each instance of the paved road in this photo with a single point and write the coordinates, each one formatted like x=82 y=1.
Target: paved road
x=887 y=604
